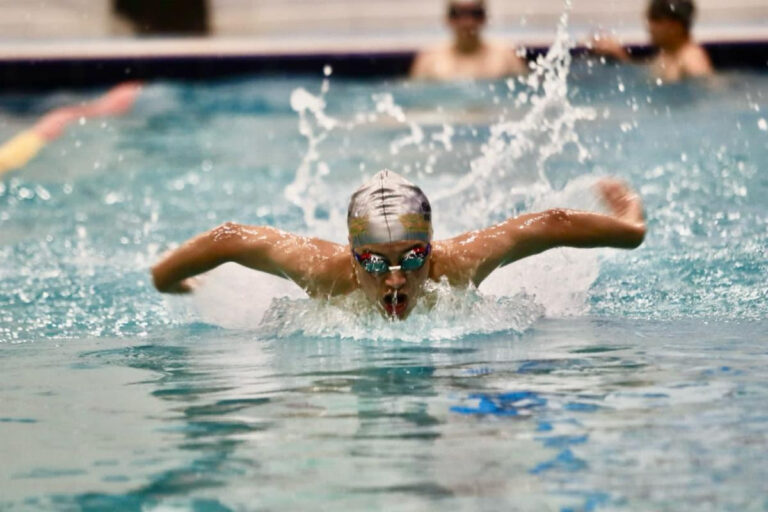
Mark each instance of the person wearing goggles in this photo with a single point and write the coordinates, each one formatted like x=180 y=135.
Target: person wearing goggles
x=669 y=26
x=469 y=55
x=390 y=221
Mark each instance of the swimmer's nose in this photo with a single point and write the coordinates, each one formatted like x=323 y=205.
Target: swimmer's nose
x=395 y=279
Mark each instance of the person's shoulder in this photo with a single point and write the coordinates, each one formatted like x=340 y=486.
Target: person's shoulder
x=333 y=274
x=695 y=60
x=508 y=53
x=695 y=50
x=452 y=259
x=435 y=50
x=499 y=47
x=429 y=60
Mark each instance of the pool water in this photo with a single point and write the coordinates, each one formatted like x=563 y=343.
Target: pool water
x=576 y=380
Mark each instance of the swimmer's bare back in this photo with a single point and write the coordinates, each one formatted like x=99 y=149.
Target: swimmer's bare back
x=325 y=268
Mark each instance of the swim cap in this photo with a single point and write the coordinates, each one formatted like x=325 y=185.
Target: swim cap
x=388 y=208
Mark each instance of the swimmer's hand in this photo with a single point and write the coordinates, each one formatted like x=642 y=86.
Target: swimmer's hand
x=185 y=287
x=623 y=202
x=164 y=283
x=474 y=255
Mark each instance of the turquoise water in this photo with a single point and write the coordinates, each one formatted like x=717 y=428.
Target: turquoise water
x=578 y=380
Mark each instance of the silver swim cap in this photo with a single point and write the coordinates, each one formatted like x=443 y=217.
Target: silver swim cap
x=388 y=208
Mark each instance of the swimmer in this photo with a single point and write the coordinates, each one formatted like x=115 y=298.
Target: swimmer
x=15 y=153
x=669 y=26
x=468 y=56
x=391 y=253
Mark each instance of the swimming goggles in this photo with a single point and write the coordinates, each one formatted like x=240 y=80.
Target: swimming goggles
x=378 y=265
x=455 y=12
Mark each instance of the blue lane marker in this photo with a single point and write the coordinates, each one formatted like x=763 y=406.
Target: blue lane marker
x=563 y=461
x=580 y=407
x=504 y=404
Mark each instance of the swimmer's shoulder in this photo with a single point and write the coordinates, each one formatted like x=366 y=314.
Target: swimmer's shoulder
x=332 y=273
x=449 y=261
x=430 y=60
x=437 y=50
x=507 y=56
x=695 y=60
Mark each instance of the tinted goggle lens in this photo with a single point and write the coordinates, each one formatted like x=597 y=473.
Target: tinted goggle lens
x=413 y=259
x=410 y=261
x=375 y=264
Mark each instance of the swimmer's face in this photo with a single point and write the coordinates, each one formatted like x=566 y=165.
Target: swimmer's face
x=466 y=18
x=395 y=292
x=663 y=31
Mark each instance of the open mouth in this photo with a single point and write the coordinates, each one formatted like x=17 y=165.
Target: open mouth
x=395 y=304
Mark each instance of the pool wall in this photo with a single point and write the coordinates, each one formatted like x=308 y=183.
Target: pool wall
x=52 y=70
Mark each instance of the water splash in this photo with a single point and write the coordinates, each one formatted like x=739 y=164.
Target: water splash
x=446 y=313
x=510 y=173
x=309 y=189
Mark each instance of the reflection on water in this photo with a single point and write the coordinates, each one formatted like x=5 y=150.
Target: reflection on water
x=615 y=414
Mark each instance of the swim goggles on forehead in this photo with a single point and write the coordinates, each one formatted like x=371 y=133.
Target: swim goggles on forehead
x=378 y=265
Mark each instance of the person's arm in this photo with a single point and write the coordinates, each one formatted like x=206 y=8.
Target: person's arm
x=605 y=45
x=319 y=267
x=471 y=257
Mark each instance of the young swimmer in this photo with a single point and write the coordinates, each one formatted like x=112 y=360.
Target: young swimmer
x=391 y=253
x=468 y=55
x=15 y=153
x=669 y=26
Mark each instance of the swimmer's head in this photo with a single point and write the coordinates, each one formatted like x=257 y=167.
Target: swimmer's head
x=466 y=18
x=388 y=208
x=390 y=230
x=681 y=12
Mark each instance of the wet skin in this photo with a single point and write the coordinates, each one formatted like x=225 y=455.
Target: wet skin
x=326 y=269
x=396 y=292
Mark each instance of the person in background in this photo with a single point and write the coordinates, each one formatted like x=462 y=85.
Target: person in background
x=15 y=153
x=669 y=26
x=469 y=55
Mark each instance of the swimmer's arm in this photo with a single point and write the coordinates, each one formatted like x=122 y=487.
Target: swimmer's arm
x=483 y=251
x=315 y=265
